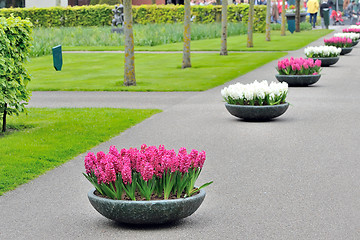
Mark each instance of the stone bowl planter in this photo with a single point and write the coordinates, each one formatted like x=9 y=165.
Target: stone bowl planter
x=346 y=50
x=298 y=80
x=256 y=113
x=355 y=43
x=146 y=212
x=328 y=61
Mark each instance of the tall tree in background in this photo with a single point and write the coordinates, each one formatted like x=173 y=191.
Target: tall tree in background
x=223 y=50
x=153 y=1
x=297 y=16
x=187 y=35
x=250 y=25
x=283 y=22
x=58 y=2
x=268 y=20
x=129 y=66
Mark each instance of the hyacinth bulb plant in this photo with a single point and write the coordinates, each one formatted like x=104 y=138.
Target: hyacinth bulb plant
x=256 y=93
x=352 y=29
x=353 y=36
x=148 y=172
x=322 y=52
x=340 y=42
x=299 y=66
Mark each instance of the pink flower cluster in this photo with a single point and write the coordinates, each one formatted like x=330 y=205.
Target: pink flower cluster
x=148 y=161
x=340 y=42
x=298 y=66
x=351 y=30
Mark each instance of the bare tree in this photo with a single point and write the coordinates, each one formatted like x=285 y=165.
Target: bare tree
x=223 y=50
x=297 y=16
x=187 y=35
x=283 y=22
x=129 y=66
x=268 y=20
x=250 y=25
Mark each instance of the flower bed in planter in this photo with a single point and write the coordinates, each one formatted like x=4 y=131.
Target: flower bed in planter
x=298 y=71
x=353 y=36
x=328 y=55
x=341 y=42
x=150 y=185
x=256 y=101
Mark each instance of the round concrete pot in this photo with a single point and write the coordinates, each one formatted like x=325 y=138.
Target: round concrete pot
x=355 y=43
x=298 y=80
x=256 y=113
x=328 y=61
x=346 y=50
x=146 y=212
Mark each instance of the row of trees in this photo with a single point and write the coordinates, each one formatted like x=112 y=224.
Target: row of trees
x=129 y=68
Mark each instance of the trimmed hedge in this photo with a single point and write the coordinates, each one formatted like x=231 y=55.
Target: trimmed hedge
x=101 y=15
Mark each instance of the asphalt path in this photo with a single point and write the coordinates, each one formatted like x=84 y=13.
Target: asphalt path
x=296 y=177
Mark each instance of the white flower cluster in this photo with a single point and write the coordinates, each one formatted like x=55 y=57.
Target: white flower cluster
x=352 y=36
x=261 y=92
x=322 y=51
x=354 y=26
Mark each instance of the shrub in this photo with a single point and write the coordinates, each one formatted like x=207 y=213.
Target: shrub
x=101 y=15
x=15 y=43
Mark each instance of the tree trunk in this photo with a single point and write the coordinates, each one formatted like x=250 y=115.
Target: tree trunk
x=223 y=50
x=268 y=20
x=4 y=119
x=250 y=25
x=153 y=2
x=297 y=16
x=283 y=21
x=187 y=35
x=58 y=2
x=129 y=66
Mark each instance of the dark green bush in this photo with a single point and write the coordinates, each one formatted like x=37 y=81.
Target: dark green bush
x=15 y=43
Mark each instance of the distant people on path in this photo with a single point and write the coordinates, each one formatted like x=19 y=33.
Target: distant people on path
x=324 y=6
x=313 y=8
x=274 y=12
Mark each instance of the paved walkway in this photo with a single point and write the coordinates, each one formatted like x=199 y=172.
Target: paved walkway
x=296 y=177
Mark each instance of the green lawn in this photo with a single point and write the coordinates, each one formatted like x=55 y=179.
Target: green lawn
x=49 y=137
x=235 y=43
x=154 y=72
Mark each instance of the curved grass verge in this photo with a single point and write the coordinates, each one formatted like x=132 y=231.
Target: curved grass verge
x=46 y=138
x=154 y=72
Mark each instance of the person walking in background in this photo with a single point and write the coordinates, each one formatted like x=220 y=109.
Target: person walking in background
x=323 y=6
x=313 y=8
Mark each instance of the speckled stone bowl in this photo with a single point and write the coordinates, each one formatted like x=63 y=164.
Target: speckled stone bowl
x=355 y=43
x=346 y=50
x=146 y=212
x=328 y=61
x=298 y=80
x=256 y=113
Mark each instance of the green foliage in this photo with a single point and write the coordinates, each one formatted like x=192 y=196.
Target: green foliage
x=101 y=15
x=94 y=2
x=109 y=2
x=15 y=43
x=46 y=138
x=144 y=35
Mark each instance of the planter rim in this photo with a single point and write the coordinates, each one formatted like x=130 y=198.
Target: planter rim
x=253 y=106
x=199 y=195
x=324 y=58
x=298 y=75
